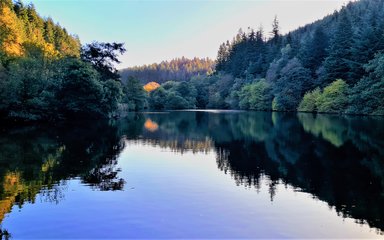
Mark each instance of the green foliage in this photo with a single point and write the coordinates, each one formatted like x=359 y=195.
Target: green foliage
x=173 y=95
x=201 y=85
x=37 y=69
x=41 y=77
x=310 y=101
x=219 y=91
x=340 y=46
x=178 y=69
x=27 y=88
x=338 y=63
x=134 y=95
x=334 y=97
x=112 y=94
x=157 y=99
x=175 y=101
x=367 y=96
x=256 y=96
x=81 y=93
x=313 y=51
x=275 y=105
x=102 y=56
x=290 y=86
x=43 y=89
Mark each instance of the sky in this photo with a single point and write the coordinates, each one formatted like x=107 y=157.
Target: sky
x=159 y=30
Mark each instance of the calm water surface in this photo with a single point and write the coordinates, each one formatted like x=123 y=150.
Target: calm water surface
x=195 y=175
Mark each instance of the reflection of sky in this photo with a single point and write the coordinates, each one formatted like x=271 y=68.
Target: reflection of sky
x=160 y=30
x=170 y=194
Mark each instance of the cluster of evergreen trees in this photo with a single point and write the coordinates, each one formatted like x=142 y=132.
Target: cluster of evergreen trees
x=332 y=65
x=45 y=74
x=178 y=69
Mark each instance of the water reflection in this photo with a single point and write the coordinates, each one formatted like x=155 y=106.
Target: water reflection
x=36 y=159
x=337 y=159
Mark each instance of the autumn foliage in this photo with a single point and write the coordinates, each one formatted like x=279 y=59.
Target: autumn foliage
x=23 y=31
x=151 y=86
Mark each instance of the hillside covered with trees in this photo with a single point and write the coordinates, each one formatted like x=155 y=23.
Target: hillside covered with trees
x=178 y=69
x=333 y=65
x=45 y=73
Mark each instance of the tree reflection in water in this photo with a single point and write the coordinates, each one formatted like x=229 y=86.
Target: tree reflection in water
x=337 y=159
x=40 y=159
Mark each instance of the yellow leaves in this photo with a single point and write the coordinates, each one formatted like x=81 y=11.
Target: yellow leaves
x=11 y=32
x=49 y=50
x=152 y=86
x=18 y=37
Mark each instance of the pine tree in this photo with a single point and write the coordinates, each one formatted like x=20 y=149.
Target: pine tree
x=314 y=51
x=338 y=63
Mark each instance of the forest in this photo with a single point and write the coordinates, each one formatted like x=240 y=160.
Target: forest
x=333 y=65
x=178 y=69
x=47 y=75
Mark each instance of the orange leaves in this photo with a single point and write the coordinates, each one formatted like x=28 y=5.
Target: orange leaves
x=152 y=86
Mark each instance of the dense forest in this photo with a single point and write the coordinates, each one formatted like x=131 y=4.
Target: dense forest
x=333 y=65
x=178 y=69
x=45 y=73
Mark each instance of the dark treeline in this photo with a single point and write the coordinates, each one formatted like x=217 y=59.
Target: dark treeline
x=337 y=159
x=332 y=65
x=179 y=69
x=45 y=73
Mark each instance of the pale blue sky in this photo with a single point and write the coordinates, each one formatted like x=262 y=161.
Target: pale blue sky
x=161 y=30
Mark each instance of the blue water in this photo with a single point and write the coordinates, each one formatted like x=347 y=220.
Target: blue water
x=195 y=175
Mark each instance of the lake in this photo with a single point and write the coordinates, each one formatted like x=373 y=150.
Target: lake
x=195 y=174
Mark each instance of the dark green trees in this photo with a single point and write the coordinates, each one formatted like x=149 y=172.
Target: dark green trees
x=25 y=90
x=81 y=92
x=173 y=95
x=313 y=52
x=308 y=60
x=102 y=56
x=367 y=96
x=41 y=74
x=289 y=88
x=178 y=69
x=338 y=64
x=134 y=95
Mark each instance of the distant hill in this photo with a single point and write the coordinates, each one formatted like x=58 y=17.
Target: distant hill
x=178 y=69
